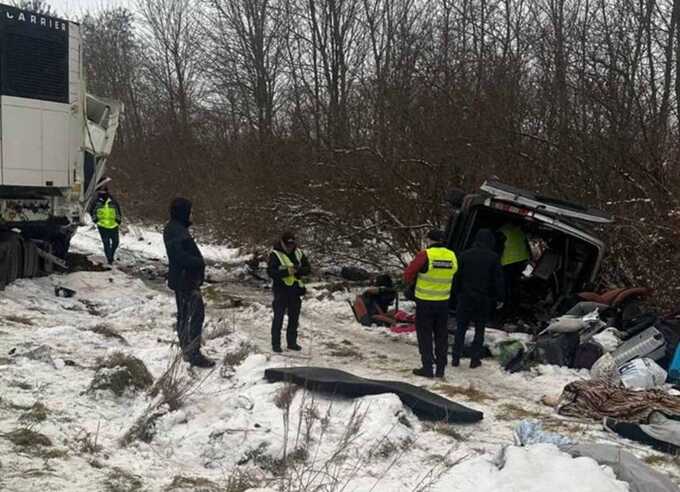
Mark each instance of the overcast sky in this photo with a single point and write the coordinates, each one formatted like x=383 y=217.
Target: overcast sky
x=73 y=9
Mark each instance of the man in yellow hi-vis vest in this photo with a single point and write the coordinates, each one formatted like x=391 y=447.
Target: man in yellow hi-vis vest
x=432 y=271
x=286 y=267
x=515 y=254
x=106 y=214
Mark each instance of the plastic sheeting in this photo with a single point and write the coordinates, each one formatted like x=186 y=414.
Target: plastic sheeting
x=640 y=477
x=531 y=432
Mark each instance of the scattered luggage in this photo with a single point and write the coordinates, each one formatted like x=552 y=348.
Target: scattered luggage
x=587 y=354
x=650 y=343
x=641 y=374
x=674 y=369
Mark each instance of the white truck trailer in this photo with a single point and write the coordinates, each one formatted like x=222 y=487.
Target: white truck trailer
x=54 y=141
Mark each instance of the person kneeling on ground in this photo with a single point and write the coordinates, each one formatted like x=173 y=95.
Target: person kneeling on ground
x=378 y=300
x=286 y=265
x=432 y=270
x=185 y=276
x=479 y=288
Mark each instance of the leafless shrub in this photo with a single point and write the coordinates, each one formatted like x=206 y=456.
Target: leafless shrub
x=234 y=358
x=169 y=393
x=108 y=332
x=87 y=442
x=119 y=480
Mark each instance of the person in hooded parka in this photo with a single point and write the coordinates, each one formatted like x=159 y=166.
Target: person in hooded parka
x=186 y=273
x=479 y=289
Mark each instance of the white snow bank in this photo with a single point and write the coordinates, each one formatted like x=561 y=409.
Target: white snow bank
x=148 y=244
x=537 y=468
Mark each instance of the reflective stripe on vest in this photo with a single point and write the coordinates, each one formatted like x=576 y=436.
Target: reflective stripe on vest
x=106 y=216
x=515 y=249
x=435 y=284
x=285 y=263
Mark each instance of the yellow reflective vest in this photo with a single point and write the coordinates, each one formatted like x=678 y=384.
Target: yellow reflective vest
x=435 y=284
x=285 y=263
x=515 y=249
x=107 y=215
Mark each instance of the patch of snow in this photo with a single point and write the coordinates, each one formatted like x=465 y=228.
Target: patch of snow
x=233 y=421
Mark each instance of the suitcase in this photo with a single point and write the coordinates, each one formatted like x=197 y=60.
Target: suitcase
x=674 y=368
x=650 y=343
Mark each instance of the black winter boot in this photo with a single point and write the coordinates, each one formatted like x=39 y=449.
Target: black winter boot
x=475 y=363
x=425 y=372
x=200 y=360
x=440 y=372
x=295 y=347
x=455 y=361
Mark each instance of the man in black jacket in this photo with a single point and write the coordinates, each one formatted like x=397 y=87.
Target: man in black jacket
x=479 y=289
x=287 y=264
x=185 y=275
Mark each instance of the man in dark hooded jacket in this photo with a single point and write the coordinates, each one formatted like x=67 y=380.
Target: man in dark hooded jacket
x=287 y=264
x=185 y=275
x=479 y=289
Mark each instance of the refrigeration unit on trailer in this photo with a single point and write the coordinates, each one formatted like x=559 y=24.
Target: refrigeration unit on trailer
x=54 y=140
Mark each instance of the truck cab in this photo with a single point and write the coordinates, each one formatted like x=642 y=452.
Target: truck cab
x=54 y=140
x=566 y=252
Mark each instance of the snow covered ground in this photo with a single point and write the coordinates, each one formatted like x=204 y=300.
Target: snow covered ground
x=230 y=429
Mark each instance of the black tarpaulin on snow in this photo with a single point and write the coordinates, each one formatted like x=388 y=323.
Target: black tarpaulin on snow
x=424 y=403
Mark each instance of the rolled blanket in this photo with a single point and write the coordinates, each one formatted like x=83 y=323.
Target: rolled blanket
x=595 y=400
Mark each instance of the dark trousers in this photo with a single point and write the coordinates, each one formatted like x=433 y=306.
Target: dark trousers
x=190 y=317
x=110 y=241
x=477 y=343
x=511 y=275
x=286 y=302
x=431 y=326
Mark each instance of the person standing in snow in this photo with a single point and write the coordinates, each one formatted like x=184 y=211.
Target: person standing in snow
x=106 y=214
x=515 y=254
x=479 y=288
x=185 y=276
x=287 y=264
x=432 y=271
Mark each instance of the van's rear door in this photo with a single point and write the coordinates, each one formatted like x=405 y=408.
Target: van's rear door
x=549 y=206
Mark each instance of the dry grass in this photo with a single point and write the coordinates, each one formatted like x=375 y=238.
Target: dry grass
x=240 y=481
x=170 y=392
x=470 y=392
x=20 y=320
x=343 y=349
x=284 y=397
x=666 y=460
x=37 y=413
x=193 y=483
x=236 y=357
x=446 y=429
x=119 y=480
x=510 y=411
x=87 y=442
x=27 y=438
x=119 y=372
x=108 y=332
